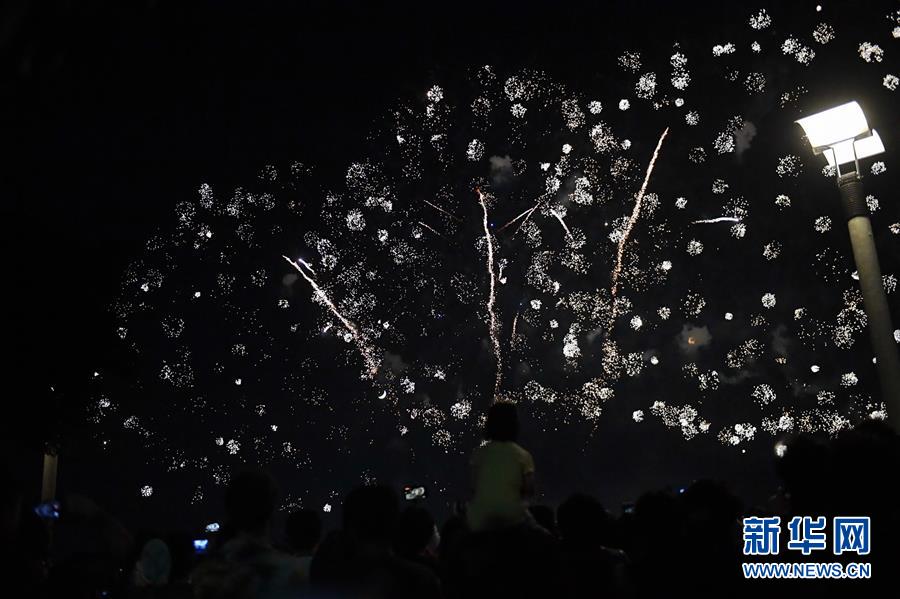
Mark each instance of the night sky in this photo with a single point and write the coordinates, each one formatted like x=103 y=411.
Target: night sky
x=115 y=116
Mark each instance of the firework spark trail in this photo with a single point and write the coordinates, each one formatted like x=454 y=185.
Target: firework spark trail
x=516 y=218
x=719 y=219
x=545 y=198
x=430 y=229
x=439 y=209
x=562 y=222
x=530 y=212
x=512 y=337
x=620 y=251
x=366 y=351
x=306 y=264
x=527 y=214
x=492 y=296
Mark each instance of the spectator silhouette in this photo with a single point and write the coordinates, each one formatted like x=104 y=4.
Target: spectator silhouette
x=304 y=531
x=10 y=509
x=713 y=535
x=24 y=542
x=515 y=561
x=806 y=475
x=507 y=553
x=502 y=474
x=656 y=551
x=247 y=565
x=864 y=462
x=417 y=537
x=453 y=535
x=590 y=566
x=154 y=565
x=181 y=548
x=91 y=550
x=671 y=541
x=10 y=526
x=152 y=577
x=359 y=561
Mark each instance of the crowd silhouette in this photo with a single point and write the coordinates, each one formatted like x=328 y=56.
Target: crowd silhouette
x=673 y=542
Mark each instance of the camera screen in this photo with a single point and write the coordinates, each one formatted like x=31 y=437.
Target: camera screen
x=412 y=493
x=49 y=509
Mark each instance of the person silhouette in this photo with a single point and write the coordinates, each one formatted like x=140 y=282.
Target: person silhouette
x=502 y=474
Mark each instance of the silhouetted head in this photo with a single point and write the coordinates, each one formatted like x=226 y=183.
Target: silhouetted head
x=415 y=530
x=250 y=500
x=502 y=422
x=657 y=524
x=805 y=470
x=453 y=532
x=877 y=429
x=304 y=530
x=657 y=507
x=861 y=458
x=154 y=565
x=370 y=514
x=581 y=520
x=181 y=548
x=710 y=503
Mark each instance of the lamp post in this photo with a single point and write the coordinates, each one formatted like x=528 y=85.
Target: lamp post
x=48 y=480
x=843 y=136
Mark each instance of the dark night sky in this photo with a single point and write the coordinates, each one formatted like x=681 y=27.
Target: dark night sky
x=113 y=114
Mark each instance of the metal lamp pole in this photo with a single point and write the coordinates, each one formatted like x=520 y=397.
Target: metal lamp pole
x=887 y=360
x=48 y=480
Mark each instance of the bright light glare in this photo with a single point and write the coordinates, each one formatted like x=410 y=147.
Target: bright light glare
x=865 y=147
x=835 y=125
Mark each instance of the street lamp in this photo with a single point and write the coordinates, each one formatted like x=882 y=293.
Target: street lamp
x=843 y=136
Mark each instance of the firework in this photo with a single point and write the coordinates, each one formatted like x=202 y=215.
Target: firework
x=635 y=213
x=718 y=219
x=493 y=323
x=400 y=286
x=368 y=353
